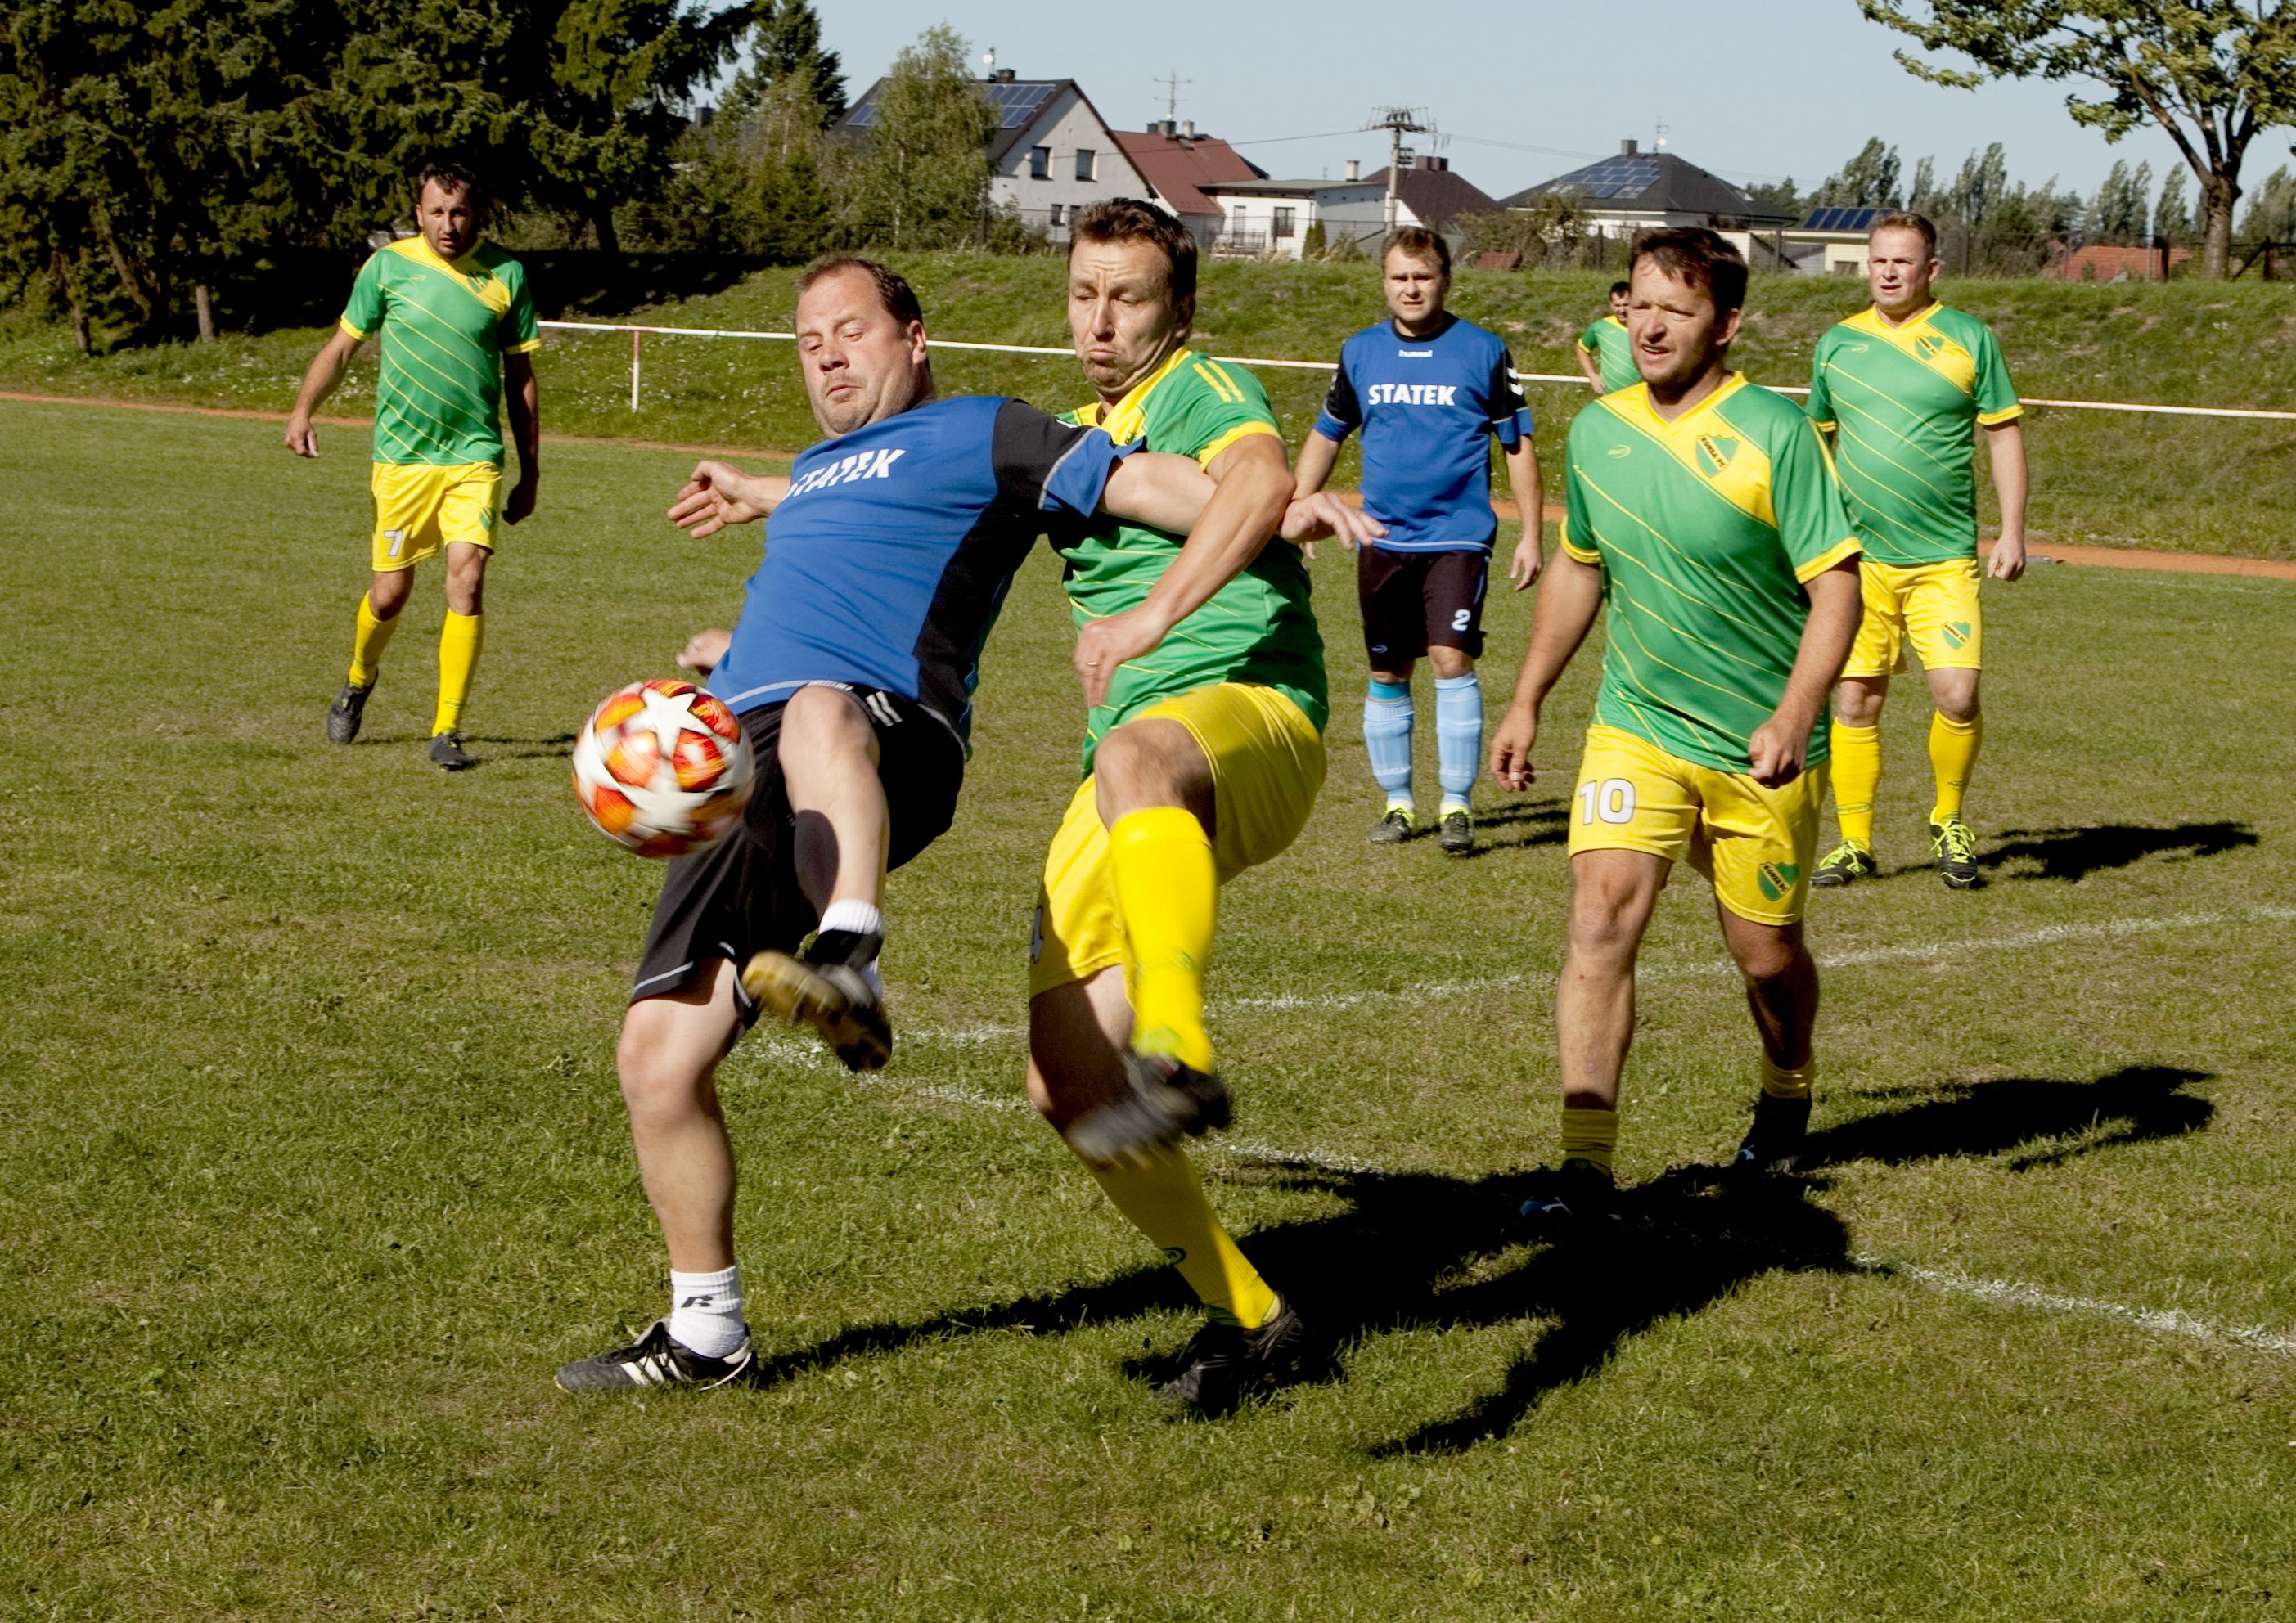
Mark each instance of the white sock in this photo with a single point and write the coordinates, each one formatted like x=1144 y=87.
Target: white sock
x=861 y=918
x=705 y=1311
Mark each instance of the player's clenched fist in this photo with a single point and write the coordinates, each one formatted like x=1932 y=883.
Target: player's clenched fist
x=1510 y=748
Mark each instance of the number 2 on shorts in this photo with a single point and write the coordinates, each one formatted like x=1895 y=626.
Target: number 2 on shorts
x=1613 y=800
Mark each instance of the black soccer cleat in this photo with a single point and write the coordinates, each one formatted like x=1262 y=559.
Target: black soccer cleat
x=1953 y=844
x=1225 y=1363
x=1575 y=1194
x=1773 y=1144
x=1162 y=1103
x=1845 y=864
x=655 y=1359
x=349 y=709
x=446 y=751
x=1455 y=835
x=1398 y=825
x=826 y=986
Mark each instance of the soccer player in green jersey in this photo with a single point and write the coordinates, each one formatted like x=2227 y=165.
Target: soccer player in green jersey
x=1701 y=511
x=1902 y=390
x=1605 y=354
x=1203 y=751
x=454 y=315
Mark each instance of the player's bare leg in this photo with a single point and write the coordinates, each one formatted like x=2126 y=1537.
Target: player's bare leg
x=1954 y=733
x=1856 y=754
x=668 y=1059
x=1782 y=994
x=460 y=638
x=829 y=761
x=1079 y=1037
x=1612 y=895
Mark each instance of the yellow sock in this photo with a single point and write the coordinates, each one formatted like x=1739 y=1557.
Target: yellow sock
x=1953 y=752
x=459 y=641
x=1167 y=892
x=1856 y=775
x=1780 y=1082
x=367 y=644
x=1589 y=1135
x=1165 y=1202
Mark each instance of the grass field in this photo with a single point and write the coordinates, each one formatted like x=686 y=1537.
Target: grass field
x=2211 y=486
x=316 y=1169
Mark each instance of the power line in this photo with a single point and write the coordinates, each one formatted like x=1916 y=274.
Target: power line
x=1280 y=140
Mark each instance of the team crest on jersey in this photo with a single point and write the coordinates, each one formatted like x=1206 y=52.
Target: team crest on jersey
x=1714 y=453
x=1776 y=879
x=1929 y=346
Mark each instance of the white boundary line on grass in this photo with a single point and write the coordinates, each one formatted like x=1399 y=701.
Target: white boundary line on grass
x=1944 y=1281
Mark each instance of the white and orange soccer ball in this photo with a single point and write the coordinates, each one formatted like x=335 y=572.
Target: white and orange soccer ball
x=663 y=768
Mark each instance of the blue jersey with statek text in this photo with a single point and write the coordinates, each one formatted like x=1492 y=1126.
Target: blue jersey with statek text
x=1426 y=406
x=887 y=562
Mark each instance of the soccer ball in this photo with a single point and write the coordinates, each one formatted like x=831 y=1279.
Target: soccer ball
x=663 y=768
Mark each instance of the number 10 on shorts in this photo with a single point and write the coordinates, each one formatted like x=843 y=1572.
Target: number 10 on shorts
x=1613 y=800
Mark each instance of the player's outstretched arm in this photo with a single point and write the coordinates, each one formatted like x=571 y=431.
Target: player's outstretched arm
x=1780 y=746
x=1530 y=508
x=1254 y=488
x=319 y=381
x=1169 y=492
x=523 y=395
x=2004 y=447
x=1567 y=602
x=716 y=495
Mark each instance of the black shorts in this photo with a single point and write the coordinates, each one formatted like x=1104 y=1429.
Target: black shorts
x=741 y=896
x=1412 y=602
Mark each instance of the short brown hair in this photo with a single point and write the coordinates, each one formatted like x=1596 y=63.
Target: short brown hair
x=451 y=176
x=1128 y=219
x=893 y=289
x=1618 y=288
x=1696 y=257
x=1904 y=219
x=1420 y=243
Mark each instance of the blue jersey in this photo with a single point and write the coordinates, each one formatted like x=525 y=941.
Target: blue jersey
x=887 y=562
x=1425 y=407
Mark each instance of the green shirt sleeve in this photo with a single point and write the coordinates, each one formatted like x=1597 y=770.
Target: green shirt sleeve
x=363 y=312
x=519 y=333
x=1996 y=397
x=1221 y=406
x=1806 y=500
x=1820 y=404
x=1587 y=341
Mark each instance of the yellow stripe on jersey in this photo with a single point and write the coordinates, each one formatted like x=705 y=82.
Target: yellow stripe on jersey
x=1128 y=419
x=1730 y=465
x=1242 y=430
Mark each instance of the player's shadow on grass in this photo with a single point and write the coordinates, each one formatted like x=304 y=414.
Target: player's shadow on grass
x=1516 y=825
x=1413 y=1250
x=2073 y=854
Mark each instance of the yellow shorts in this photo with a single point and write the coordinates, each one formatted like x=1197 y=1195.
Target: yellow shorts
x=1755 y=845
x=419 y=509
x=1267 y=765
x=1934 y=605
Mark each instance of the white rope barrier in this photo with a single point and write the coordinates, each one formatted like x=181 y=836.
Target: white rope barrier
x=637 y=333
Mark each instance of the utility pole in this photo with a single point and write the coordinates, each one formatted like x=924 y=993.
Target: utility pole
x=1398 y=122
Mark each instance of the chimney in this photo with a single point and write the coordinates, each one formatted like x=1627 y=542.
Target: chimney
x=1002 y=76
x=1164 y=128
x=1629 y=149
x=1355 y=169
x=1188 y=129
x=1429 y=161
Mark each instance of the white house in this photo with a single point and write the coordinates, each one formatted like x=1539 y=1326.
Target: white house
x=1271 y=217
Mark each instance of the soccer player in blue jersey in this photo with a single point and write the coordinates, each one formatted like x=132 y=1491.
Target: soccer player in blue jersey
x=1428 y=390
x=852 y=669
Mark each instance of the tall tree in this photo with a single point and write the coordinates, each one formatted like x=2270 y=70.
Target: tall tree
x=2172 y=215
x=922 y=177
x=2271 y=214
x=2123 y=208
x=1778 y=195
x=2212 y=74
x=785 y=45
x=1867 y=181
x=1922 y=196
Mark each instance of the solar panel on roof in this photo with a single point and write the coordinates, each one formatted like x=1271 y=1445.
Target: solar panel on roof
x=1843 y=219
x=1620 y=177
x=1018 y=102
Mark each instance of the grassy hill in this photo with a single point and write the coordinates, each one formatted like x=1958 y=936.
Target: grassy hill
x=2196 y=485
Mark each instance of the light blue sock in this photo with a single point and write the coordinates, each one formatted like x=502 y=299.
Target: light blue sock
x=1387 y=736
x=1458 y=736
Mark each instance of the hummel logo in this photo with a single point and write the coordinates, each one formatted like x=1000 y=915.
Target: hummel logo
x=703 y=1301
x=1622 y=450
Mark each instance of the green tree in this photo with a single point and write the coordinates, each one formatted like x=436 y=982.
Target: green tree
x=2123 y=208
x=921 y=176
x=2271 y=214
x=785 y=46
x=1867 y=181
x=1779 y=197
x=1922 y=195
x=2212 y=74
x=2172 y=214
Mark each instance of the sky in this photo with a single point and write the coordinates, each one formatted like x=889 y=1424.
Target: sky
x=1756 y=93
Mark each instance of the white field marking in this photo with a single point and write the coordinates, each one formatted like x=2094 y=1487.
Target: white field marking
x=2009 y=1293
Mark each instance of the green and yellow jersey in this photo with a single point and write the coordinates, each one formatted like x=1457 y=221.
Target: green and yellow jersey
x=1904 y=404
x=1705 y=530
x=1613 y=351
x=444 y=326
x=1259 y=627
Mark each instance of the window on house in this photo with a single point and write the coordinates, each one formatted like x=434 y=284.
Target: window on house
x=1284 y=218
x=1087 y=164
x=1040 y=163
x=1056 y=214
